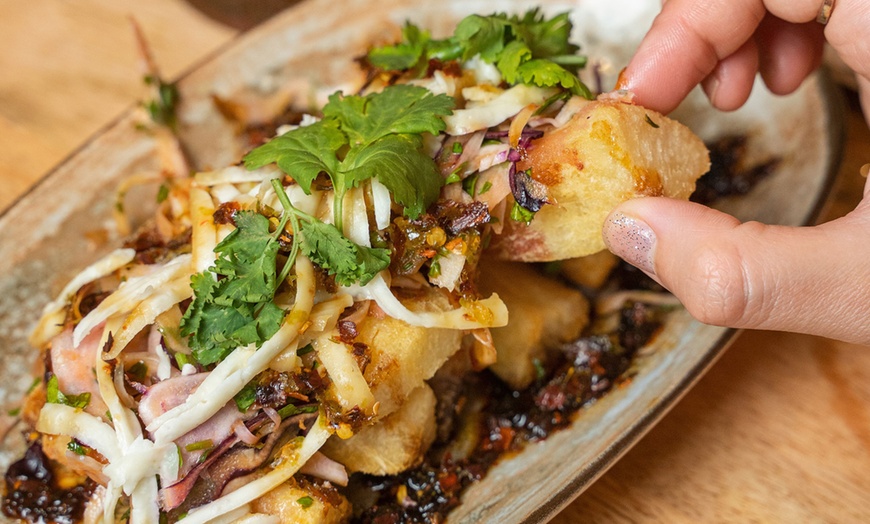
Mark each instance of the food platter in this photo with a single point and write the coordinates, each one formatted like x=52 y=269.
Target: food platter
x=43 y=232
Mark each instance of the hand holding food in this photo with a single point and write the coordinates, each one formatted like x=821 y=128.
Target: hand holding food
x=808 y=280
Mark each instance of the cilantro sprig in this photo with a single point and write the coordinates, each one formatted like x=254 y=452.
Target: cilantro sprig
x=233 y=301
x=325 y=245
x=362 y=137
x=528 y=49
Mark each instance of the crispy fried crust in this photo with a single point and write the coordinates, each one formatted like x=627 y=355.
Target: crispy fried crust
x=607 y=153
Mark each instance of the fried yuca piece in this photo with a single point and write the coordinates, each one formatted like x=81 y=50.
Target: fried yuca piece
x=404 y=356
x=539 y=321
x=609 y=152
x=395 y=443
x=295 y=503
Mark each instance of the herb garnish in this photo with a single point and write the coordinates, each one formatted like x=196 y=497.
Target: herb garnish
x=361 y=137
x=54 y=395
x=233 y=301
x=528 y=49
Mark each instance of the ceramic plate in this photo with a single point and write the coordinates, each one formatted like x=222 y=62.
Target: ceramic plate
x=310 y=49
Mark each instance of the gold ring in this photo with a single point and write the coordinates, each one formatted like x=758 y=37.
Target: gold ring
x=825 y=12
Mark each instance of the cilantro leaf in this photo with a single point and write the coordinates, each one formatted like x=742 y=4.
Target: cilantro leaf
x=233 y=302
x=350 y=263
x=404 y=55
x=302 y=153
x=546 y=38
x=248 y=255
x=402 y=108
x=483 y=35
x=400 y=164
x=514 y=54
x=353 y=126
x=544 y=73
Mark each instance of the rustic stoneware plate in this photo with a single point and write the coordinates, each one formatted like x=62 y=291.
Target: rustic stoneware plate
x=47 y=236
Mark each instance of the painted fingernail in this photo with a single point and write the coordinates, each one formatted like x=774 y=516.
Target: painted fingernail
x=632 y=240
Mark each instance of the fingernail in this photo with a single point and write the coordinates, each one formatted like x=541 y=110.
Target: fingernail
x=632 y=240
x=710 y=85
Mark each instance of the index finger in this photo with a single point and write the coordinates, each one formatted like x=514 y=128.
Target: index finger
x=690 y=37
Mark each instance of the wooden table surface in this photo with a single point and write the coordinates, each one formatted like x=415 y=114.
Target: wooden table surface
x=777 y=431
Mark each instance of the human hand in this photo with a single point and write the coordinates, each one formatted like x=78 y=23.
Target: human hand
x=811 y=280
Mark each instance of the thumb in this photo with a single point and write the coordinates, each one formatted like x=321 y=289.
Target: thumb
x=749 y=275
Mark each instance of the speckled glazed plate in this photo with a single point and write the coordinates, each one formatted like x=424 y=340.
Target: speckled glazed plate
x=311 y=49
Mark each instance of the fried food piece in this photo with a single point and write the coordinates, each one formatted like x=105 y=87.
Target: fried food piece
x=609 y=152
x=590 y=271
x=395 y=443
x=544 y=314
x=404 y=356
x=302 y=503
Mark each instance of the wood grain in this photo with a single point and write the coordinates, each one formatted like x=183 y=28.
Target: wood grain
x=778 y=431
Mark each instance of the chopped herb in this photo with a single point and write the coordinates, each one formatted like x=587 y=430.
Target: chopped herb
x=650 y=122
x=469 y=185
x=521 y=214
x=305 y=501
x=162 y=107
x=14 y=412
x=454 y=177
x=180 y=456
x=55 y=396
x=435 y=269
x=246 y=397
x=162 y=193
x=290 y=410
x=200 y=445
x=349 y=262
x=457 y=148
x=74 y=446
x=540 y=372
x=138 y=371
x=308 y=348
x=486 y=187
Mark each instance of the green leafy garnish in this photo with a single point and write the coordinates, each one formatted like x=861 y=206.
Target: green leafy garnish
x=233 y=302
x=325 y=245
x=528 y=49
x=305 y=501
x=54 y=395
x=162 y=107
x=200 y=445
x=246 y=397
x=361 y=137
x=74 y=446
x=349 y=262
x=521 y=214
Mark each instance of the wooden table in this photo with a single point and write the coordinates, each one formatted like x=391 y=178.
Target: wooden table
x=778 y=431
